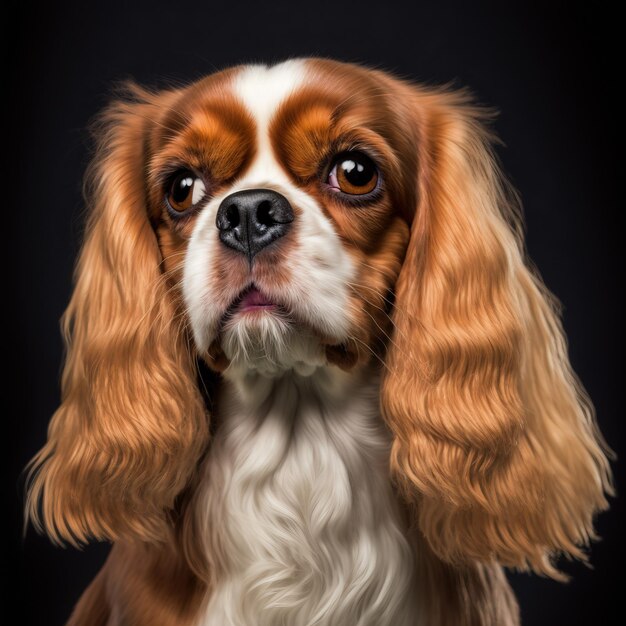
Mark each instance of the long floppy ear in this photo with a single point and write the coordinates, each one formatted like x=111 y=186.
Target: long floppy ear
x=131 y=426
x=495 y=441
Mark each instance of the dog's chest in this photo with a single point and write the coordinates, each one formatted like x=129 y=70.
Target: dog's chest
x=301 y=523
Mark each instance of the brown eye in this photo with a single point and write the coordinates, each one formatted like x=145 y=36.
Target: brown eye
x=185 y=191
x=354 y=173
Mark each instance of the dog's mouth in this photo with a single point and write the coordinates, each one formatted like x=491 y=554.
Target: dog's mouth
x=261 y=312
x=253 y=301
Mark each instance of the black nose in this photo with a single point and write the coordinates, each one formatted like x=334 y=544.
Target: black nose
x=250 y=220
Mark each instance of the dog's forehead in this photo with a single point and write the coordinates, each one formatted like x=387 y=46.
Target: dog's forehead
x=262 y=90
x=279 y=121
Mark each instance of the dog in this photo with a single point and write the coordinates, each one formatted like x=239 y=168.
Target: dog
x=390 y=417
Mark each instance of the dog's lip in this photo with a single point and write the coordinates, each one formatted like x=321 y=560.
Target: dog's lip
x=253 y=302
x=251 y=299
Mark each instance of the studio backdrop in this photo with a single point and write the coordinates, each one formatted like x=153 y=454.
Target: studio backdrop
x=545 y=69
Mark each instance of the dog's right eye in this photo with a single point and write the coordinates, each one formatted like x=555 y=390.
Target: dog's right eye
x=185 y=192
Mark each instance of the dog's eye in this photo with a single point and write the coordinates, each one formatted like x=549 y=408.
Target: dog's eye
x=353 y=173
x=185 y=191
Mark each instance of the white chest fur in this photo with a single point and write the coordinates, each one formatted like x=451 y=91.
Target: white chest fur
x=301 y=523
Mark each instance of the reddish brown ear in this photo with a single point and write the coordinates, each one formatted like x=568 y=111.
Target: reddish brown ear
x=131 y=425
x=495 y=440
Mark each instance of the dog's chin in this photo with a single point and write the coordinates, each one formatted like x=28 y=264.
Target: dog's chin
x=269 y=342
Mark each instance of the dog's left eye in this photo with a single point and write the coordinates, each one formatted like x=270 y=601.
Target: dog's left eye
x=185 y=191
x=353 y=173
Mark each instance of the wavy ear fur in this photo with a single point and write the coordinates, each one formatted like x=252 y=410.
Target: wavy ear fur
x=132 y=425
x=495 y=441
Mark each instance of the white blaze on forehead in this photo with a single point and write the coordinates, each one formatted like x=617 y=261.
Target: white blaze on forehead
x=262 y=90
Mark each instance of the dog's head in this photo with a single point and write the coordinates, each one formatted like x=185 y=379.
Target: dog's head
x=317 y=214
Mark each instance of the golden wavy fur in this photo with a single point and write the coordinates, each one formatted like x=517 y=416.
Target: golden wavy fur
x=132 y=425
x=495 y=448
x=495 y=438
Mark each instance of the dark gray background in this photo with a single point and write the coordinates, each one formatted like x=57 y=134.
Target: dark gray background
x=548 y=69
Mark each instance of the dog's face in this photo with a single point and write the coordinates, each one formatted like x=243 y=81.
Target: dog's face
x=315 y=214
x=283 y=198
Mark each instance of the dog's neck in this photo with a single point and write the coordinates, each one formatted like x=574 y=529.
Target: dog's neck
x=300 y=516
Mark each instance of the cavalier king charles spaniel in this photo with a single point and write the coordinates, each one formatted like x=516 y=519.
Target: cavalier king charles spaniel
x=387 y=415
